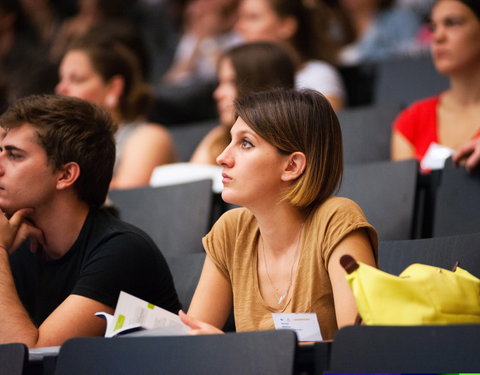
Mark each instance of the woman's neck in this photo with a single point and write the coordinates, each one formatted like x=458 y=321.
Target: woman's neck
x=465 y=89
x=117 y=118
x=280 y=227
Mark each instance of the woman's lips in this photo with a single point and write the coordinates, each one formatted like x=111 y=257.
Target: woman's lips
x=226 y=178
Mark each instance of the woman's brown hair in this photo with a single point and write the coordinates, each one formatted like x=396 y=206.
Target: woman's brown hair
x=301 y=121
x=260 y=66
x=110 y=58
x=312 y=39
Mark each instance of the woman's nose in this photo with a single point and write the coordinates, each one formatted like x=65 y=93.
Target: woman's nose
x=218 y=93
x=59 y=88
x=225 y=159
x=438 y=34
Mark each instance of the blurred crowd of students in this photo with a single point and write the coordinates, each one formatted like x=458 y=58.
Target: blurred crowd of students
x=178 y=42
x=156 y=62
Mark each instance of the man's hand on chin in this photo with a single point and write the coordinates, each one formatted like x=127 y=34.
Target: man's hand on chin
x=16 y=228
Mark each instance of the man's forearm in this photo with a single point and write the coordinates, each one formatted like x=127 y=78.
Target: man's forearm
x=15 y=323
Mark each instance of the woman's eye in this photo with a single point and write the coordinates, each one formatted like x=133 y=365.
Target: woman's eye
x=246 y=144
x=77 y=79
x=453 y=21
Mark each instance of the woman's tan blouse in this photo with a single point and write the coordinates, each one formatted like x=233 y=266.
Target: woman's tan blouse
x=232 y=245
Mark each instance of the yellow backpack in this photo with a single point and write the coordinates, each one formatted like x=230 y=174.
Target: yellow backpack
x=421 y=294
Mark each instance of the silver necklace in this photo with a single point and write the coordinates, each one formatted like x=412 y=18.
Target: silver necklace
x=281 y=297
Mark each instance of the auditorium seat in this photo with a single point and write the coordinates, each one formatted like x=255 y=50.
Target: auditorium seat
x=386 y=192
x=175 y=216
x=258 y=352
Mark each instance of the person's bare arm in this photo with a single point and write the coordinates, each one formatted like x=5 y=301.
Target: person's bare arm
x=400 y=147
x=211 y=303
x=74 y=317
x=149 y=146
x=358 y=246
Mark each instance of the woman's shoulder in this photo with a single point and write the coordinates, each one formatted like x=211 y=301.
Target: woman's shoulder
x=337 y=205
x=148 y=133
x=337 y=212
x=150 y=128
x=237 y=216
x=425 y=103
x=150 y=141
x=334 y=219
x=422 y=106
x=234 y=224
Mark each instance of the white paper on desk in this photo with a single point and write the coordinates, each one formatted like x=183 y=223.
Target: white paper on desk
x=132 y=313
x=304 y=324
x=435 y=156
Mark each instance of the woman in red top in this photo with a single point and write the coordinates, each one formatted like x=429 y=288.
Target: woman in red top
x=451 y=119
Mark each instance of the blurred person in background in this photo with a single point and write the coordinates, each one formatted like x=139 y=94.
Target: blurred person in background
x=243 y=69
x=183 y=94
x=23 y=53
x=447 y=124
x=207 y=32
x=89 y=14
x=302 y=27
x=158 y=24
x=106 y=72
x=43 y=19
x=369 y=31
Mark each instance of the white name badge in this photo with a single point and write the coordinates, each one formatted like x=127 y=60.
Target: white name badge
x=435 y=156
x=304 y=324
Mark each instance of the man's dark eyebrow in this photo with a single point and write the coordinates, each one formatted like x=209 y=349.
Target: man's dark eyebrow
x=12 y=148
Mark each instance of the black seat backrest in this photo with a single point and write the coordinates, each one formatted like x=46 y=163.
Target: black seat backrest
x=386 y=193
x=406 y=349
x=175 y=216
x=403 y=81
x=457 y=202
x=186 y=137
x=366 y=132
x=259 y=352
x=186 y=270
x=13 y=358
x=395 y=256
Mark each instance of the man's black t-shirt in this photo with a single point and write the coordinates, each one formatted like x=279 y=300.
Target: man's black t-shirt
x=108 y=256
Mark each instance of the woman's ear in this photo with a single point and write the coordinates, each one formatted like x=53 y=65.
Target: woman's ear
x=295 y=166
x=67 y=175
x=115 y=91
